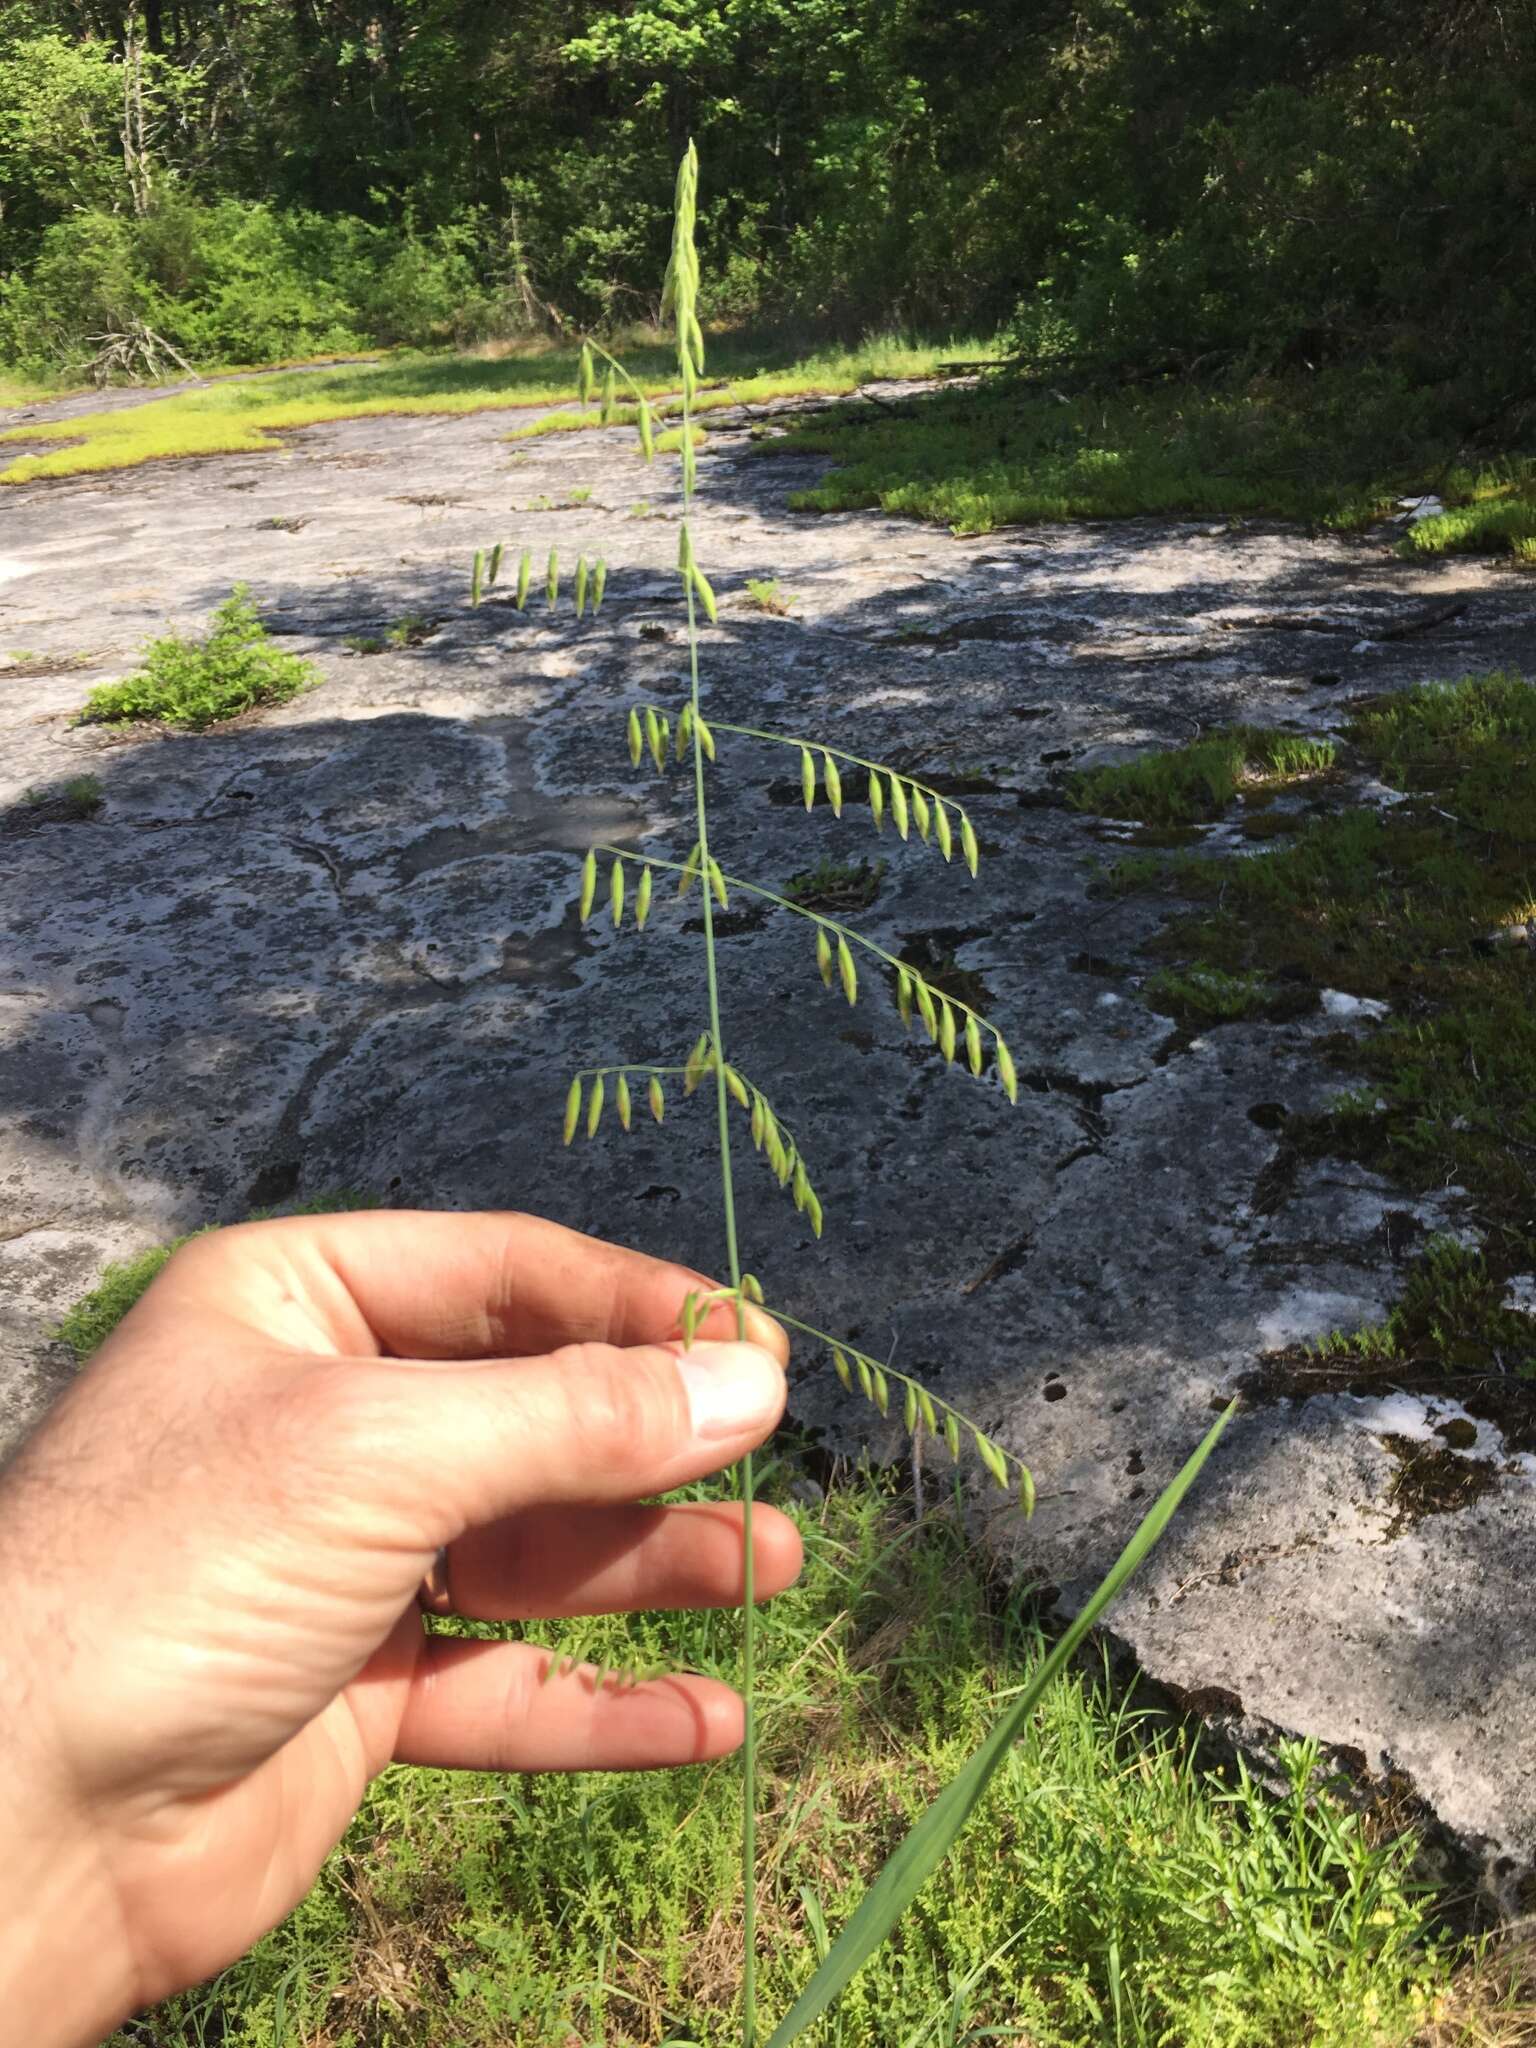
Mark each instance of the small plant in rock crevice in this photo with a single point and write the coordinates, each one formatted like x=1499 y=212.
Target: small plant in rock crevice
x=196 y=683
x=625 y=887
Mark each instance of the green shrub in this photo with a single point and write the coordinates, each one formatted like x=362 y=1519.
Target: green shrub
x=198 y=682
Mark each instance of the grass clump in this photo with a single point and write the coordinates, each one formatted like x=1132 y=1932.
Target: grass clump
x=1197 y=782
x=766 y=595
x=1207 y=995
x=87 y=1325
x=837 y=885
x=409 y=631
x=1108 y=1888
x=199 y=683
x=1452 y=1313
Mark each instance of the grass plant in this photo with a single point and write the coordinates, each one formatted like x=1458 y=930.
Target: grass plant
x=198 y=683
x=1198 y=781
x=921 y=815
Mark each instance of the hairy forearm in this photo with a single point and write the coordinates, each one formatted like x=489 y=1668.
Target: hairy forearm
x=64 y=1980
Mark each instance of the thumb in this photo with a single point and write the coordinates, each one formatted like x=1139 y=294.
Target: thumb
x=467 y=1444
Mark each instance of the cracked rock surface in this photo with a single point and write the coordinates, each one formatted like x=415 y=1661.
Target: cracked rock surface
x=335 y=945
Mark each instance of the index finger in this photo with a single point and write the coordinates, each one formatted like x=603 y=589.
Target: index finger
x=435 y=1284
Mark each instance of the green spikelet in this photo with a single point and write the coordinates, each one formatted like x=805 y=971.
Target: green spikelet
x=904 y=998
x=946 y=1031
x=524 y=578
x=616 y=892
x=899 y=816
x=608 y=394
x=1006 y=1072
x=658 y=1099
x=841 y=1367
x=1026 y=1491
x=972 y=1043
x=968 y=845
x=643 y=899
x=922 y=817
x=581 y=585
x=599 y=584
x=876 y=798
x=952 y=1435
x=595 y=1107
x=834 y=784
x=941 y=830
x=647 y=431
x=588 y=885
x=846 y=971
x=572 y=1110
x=493 y=567
x=824 y=954
x=552 y=579
x=476 y=576
x=706 y=594
x=621 y=1101
x=807 y=778
x=636 y=739
x=584 y=378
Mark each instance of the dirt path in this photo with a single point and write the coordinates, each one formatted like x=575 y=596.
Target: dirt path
x=338 y=946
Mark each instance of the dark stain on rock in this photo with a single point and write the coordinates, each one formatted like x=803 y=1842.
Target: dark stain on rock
x=1433 y=1479
x=1269 y=1116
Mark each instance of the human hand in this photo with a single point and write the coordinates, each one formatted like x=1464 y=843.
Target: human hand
x=211 y=1551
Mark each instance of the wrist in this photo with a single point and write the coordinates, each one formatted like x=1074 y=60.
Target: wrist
x=67 y=1977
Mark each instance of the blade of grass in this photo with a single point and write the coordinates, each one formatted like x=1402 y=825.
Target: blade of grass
x=923 y=1849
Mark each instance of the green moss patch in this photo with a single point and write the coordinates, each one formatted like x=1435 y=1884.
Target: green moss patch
x=1198 y=781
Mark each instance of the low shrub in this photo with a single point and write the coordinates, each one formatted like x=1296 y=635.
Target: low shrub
x=200 y=682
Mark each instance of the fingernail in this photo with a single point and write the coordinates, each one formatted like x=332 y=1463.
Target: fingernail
x=731 y=1388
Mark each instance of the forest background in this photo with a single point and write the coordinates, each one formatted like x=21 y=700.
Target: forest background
x=1197 y=186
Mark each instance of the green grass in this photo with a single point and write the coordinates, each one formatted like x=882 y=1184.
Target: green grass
x=1199 y=781
x=1335 y=450
x=233 y=416
x=198 y=683
x=1109 y=1890
x=1419 y=906
x=766 y=595
x=1206 y=994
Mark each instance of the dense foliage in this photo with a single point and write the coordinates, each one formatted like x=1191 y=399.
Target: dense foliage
x=1198 y=181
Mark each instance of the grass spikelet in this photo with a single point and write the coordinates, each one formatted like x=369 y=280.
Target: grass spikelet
x=866 y=1383
x=643 y=899
x=693 y=1068
x=834 y=784
x=1026 y=1491
x=657 y=1097
x=941 y=829
x=621 y=1101
x=876 y=799
x=1006 y=1071
x=752 y=1288
x=992 y=1458
x=552 y=579
x=952 y=1435
x=609 y=394
x=588 y=884
x=616 y=892
x=842 y=1368
x=946 y=1031
x=584 y=376
x=689 y=872
x=926 y=1409
x=847 y=973
x=636 y=738
x=645 y=423
x=599 y=584
x=476 y=576
x=973 y=1043
x=706 y=595
x=572 y=1109
x=824 y=954
x=813 y=1210
x=904 y=998
x=968 y=844
x=595 y=1107
x=926 y=1009
x=653 y=738
x=581 y=585
x=717 y=884
x=737 y=1089
x=909 y=1409
x=899 y=814
x=922 y=817
x=493 y=567
x=706 y=739
x=882 y=1391
x=759 y=1124
x=524 y=578
x=807 y=778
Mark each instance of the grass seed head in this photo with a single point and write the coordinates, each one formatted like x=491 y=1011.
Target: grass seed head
x=941 y=829
x=876 y=799
x=834 y=784
x=946 y=1031
x=588 y=883
x=636 y=738
x=616 y=892
x=524 y=577
x=899 y=813
x=807 y=778
x=847 y=972
x=706 y=595
x=552 y=578
x=842 y=1368
x=658 y=1099
x=599 y=584
x=824 y=954
x=493 y=567
x=1006 y=1071
x=476 y=576
x=973 y=1043
x=621 y=1101
x=572 y=1109
x=581 y=585
x=595 y=1107
x=643 y=899
x=968 y=844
